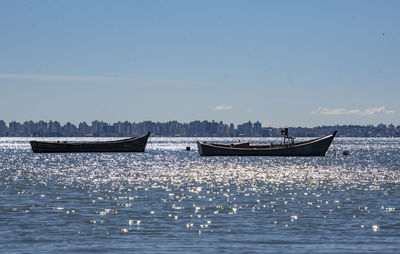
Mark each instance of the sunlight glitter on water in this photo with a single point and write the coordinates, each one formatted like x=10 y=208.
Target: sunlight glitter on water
x=170 y=193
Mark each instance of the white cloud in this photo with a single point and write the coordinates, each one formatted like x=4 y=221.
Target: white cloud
x=334 y=112
x=343 y=111
x=389 y=112
x=133 y=81
x=57 y=77
x=223 y=107
x=373 y=111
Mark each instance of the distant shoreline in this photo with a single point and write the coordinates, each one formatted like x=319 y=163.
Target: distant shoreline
x=191 y=129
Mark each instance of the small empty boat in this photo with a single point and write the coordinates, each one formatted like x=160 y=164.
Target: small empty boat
x=134 y=144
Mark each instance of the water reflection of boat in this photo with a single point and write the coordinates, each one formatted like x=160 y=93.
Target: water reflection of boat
x=134 y=144
x=314 y=147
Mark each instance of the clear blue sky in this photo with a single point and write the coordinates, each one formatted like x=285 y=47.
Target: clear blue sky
x=294 y=63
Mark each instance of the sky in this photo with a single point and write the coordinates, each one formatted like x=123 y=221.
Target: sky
x=283 y=63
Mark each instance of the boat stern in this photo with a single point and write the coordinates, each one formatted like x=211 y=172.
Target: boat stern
x=200 y=147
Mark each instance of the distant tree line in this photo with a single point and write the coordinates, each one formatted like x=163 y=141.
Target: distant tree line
x=177 y=129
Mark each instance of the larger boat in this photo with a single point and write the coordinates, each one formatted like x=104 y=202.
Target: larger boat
x=134 y=144
x=314 y=147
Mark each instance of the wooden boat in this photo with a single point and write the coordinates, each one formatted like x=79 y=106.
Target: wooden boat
x=314 y=147
x=134 y=144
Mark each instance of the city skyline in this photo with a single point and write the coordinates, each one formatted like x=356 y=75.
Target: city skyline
x=292 y=63
x=190 y=129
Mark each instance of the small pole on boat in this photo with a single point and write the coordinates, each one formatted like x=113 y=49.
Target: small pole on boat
x=285 y=134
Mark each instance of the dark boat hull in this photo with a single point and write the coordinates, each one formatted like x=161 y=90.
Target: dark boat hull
x=135 y=144
x=315 y=147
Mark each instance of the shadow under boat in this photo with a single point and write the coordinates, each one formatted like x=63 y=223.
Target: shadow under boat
x=314 y=147
x=134 y=144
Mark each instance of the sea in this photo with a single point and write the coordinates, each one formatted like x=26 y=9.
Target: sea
x=170 y=200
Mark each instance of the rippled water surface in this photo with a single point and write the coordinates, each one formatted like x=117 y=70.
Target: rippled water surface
x=172 y=200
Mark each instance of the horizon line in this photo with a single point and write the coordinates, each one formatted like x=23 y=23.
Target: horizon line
x=210 y=121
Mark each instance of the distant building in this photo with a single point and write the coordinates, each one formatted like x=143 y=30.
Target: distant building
x=3 y=129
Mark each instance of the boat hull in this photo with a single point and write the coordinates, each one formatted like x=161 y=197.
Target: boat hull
x=316 y=147
x=135 y=144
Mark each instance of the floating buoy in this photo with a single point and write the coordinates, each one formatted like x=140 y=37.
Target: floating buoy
x=188 y=148
x=346 y=153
